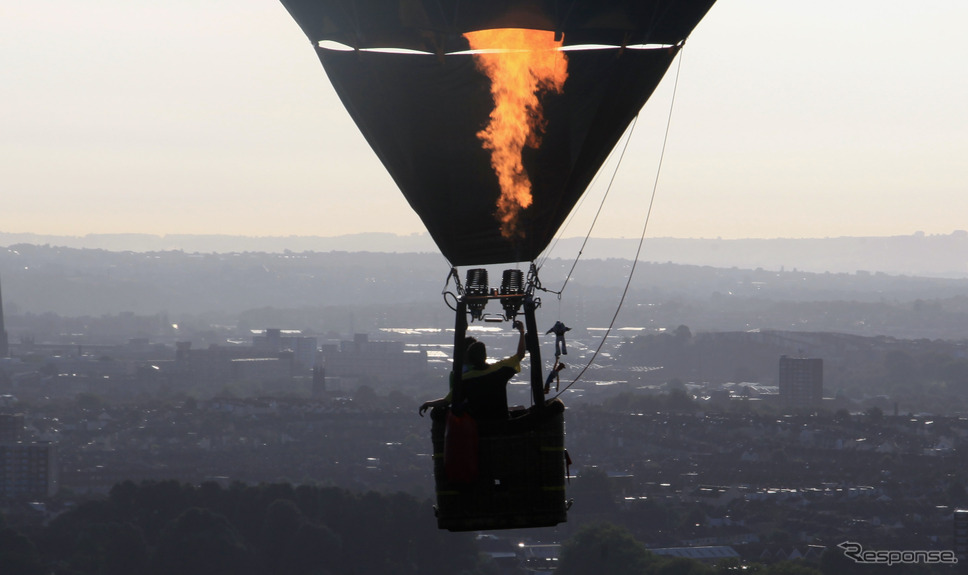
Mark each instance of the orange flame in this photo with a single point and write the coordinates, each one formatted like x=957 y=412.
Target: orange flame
x=520 y=63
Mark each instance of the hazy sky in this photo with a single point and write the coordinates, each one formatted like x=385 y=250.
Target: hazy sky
x=793 y=118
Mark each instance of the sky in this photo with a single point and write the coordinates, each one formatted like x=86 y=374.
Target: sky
x=793 y=119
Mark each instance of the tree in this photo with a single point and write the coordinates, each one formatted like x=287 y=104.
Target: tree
x=366 y=398
x=312 y=550
x=680 y=400
x=200 y=542
x=18 y=556
x=681 y=566
x=676 y=384
x=592 y=492
x=282 y=520
x=110 y=549
x=791 y=568
x=683 y=334
x=604 y=548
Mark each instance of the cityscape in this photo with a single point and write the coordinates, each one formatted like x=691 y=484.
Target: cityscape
x=247 y=327
x=746 y=447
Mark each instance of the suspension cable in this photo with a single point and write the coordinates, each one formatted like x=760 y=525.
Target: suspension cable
x=645 y=225
x=600 y=206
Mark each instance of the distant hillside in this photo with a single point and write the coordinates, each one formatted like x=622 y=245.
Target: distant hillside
x=208 y=244
x=363 y=291
x=917 y=254
x=918 y=374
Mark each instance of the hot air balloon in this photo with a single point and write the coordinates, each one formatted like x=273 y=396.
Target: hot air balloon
x=493 y=153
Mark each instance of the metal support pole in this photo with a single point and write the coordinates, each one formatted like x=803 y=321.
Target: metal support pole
x=534 y=348
x=460 y=331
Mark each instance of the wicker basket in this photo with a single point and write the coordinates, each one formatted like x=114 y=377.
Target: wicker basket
x=521 y=473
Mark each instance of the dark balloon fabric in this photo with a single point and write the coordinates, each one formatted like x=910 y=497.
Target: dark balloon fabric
x=438 y=25
x=421 y=116
x=421 y=113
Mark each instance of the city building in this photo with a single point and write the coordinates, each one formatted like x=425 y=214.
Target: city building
x=961 y=534
x=801 y=381
x=378 y=359
x=27 y=470
x=304 y=348
x=11 y=428
x=319 y=381
x=219 y=364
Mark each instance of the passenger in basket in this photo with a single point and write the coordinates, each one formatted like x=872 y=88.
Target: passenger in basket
x=445 y=401
x=485 y=385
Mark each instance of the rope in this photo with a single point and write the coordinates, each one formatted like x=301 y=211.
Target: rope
x=645 y=225
x=601 y=205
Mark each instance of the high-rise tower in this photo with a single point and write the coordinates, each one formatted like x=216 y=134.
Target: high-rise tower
x=801 y=381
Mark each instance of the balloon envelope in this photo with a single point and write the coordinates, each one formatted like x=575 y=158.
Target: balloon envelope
x=438 y=26
x=421 y=113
